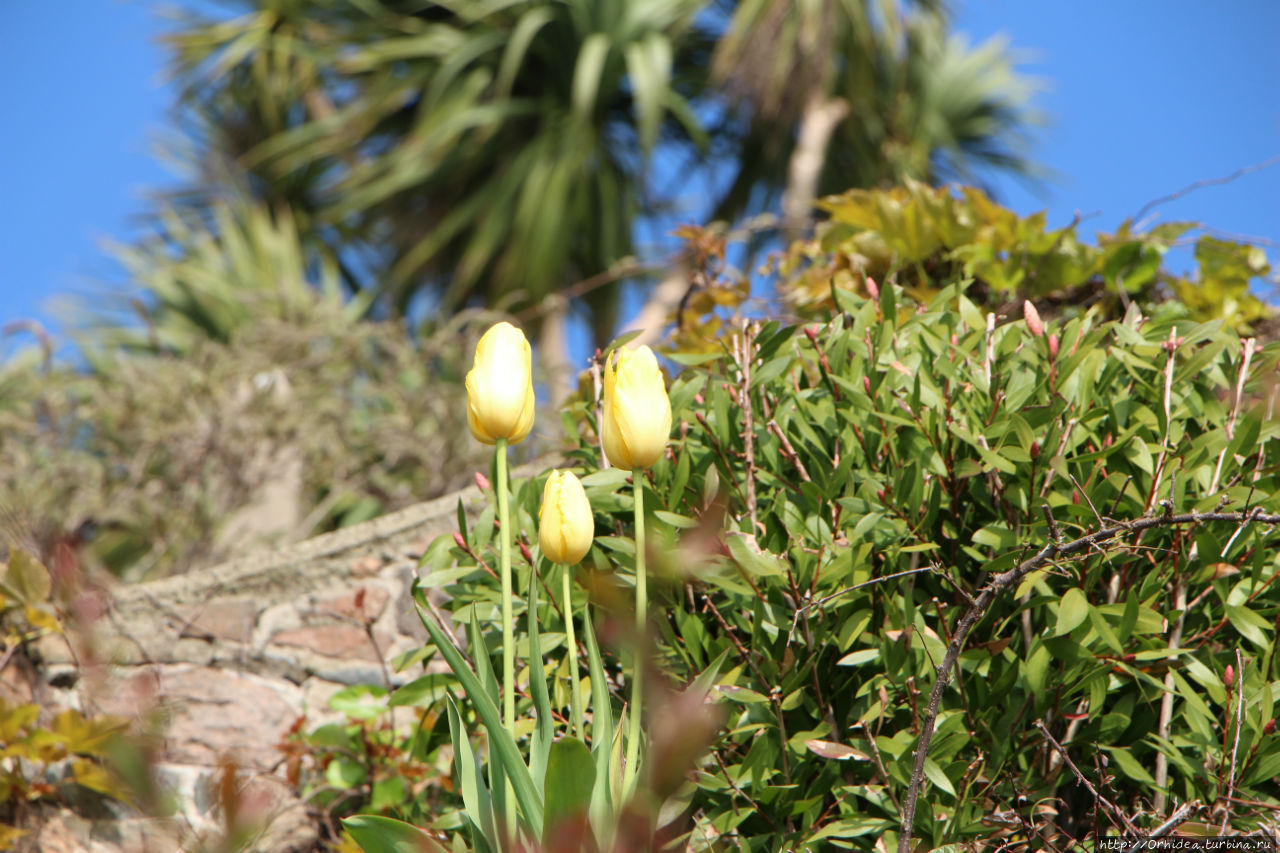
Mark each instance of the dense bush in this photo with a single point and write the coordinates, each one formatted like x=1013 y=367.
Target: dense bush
x=171 y=460
x=917 y=442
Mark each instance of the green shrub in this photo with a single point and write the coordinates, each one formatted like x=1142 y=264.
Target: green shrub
x=908 y=441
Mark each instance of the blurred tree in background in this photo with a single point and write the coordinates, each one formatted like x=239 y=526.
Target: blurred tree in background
x=501 y=151
x=366 y=175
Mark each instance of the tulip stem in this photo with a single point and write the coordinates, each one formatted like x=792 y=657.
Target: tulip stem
x=631 y=773
x=508 y=619
x=575 y=700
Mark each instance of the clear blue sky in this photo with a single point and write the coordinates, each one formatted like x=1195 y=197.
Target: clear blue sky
x=1144 y=97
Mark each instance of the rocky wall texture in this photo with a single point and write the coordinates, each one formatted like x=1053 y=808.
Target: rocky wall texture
x=227 y=660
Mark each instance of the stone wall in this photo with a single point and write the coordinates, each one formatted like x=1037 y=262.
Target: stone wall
x=231 y=657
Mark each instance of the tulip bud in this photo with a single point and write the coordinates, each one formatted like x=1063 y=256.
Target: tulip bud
x=1229 y=677
x=565 y=524
x=872 y=290
x=482 y=482
x=500 y=387
x=1032 y=317
x=637 y=411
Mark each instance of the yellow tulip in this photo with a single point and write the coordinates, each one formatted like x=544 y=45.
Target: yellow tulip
x=500 y=387
x=565 y=524
x=637 y=411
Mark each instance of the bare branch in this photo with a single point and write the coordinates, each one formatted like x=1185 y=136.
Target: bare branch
x=998 y=584
x=1116 y=813
x=1207 y=182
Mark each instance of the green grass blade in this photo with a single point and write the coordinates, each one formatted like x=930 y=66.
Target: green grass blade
x=502 y=744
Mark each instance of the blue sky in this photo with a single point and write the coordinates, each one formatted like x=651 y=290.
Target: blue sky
x=1144 y=97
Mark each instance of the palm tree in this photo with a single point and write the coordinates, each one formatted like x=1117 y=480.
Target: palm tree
x=834 y=96
x=492 y=150
x=448 y=153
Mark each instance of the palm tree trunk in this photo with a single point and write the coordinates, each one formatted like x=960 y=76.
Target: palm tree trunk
x=553 y=348
x=821 y=116
x=665 y=299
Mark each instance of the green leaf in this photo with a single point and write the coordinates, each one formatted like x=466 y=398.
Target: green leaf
x=1073 y=609
x=377 y=834
x=475 y=797
x=753 y=560
x=1250 y=625
x=675 y=520
x=601 y=727
x=425 y=691
x=544 y=727
x=1129 y=765
x=1036 y=669
x=937 y=777
x=859 y=657
x=500 y=740
x=27 y=578
x=361 y=701
x=344 y=773
x=571 y=776
x=480 y=654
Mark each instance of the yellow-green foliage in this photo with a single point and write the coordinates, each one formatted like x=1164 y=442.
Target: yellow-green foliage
x=44 y=755
x=920 y=236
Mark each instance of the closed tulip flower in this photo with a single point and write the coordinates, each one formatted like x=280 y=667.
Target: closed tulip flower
x=500 y=387
x=565 y=523
x=637 y=411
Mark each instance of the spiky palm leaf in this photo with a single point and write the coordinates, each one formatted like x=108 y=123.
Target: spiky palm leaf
x=467 y=149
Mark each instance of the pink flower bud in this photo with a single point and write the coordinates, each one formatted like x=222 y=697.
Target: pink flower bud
x=1035 y=450
x=462 y=543
x=1269 y=727
x=525 y=552
x=866 y=384
x=1053 y=347
x=482 y=481
x=811 y=332
x=1229 y=677
x=872 y=290
x=1032 y=317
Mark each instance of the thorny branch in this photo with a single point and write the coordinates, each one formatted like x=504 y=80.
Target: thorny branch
x=1050 y=552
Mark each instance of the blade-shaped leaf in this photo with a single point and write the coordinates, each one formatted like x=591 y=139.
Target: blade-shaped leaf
x=480 y=654
x=571 y=776
x=500 y=740
x=601 y=727
x=544 y=730
x=377 y=834
x=475 y=796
